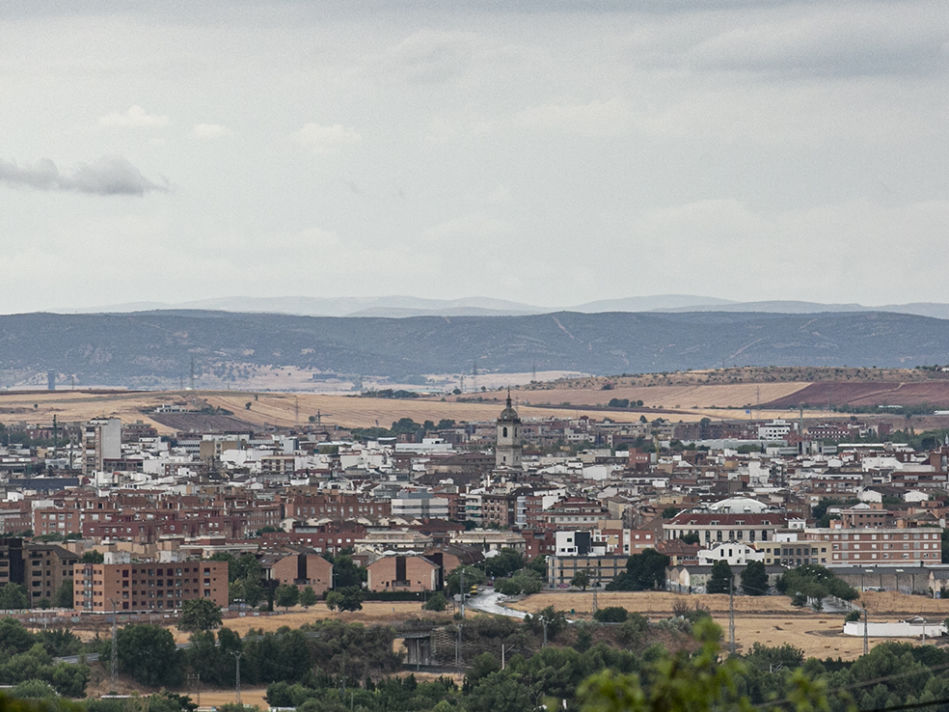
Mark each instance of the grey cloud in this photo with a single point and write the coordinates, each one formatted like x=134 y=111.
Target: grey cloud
x=831 y=43
x=105 y=176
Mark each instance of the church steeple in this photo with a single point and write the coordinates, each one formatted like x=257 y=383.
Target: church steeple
x=508 y=448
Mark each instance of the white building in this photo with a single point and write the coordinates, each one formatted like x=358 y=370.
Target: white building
x=775 y=430
x=734 y=552
x=419 y=505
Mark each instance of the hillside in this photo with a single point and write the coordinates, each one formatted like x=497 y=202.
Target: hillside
x=155 y=349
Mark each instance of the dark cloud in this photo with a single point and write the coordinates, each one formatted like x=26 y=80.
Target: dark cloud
x=105 y=176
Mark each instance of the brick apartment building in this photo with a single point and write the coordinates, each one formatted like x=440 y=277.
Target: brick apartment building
x=329 y=537
x=299 y=568
x=148 y=585
x=39 y=568
x=403 y=573
x=881 y=546
x=327 y=505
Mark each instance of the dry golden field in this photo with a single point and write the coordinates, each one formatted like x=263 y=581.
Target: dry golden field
x=688 y=403
x=280 y=409
x=373 y=612
x=769 y=620
x=736 y=395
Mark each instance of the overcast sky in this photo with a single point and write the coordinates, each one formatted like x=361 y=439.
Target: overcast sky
x=542 y=151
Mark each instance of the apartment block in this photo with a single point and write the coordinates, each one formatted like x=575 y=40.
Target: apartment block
x=403 y=573
x=147 y=585
x=881 y=546
x=39 y=568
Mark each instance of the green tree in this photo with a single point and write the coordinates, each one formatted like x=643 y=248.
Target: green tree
x=553 y=620
x=720 y=580
x=754 y=579
x=539 y=564
x=92 y=557
x=581 y=580
x=199 y=614
x=148 y=654
x=287 y=595
x=308 y=597
x=645 y=571
x=684 y=682
x=473 y=576
x=14 y=637
x=351 y=598
x=814 y=582
x=13 y=596
x=436 y=602
x=333 y=599
x=505 y=563
x=63 y=598
x=33 y=689
x=346 y=572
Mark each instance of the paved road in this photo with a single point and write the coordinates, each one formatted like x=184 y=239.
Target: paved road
x=490 y=601
x=74 y=659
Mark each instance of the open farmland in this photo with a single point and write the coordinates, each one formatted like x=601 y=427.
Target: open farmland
x=279 y=409
x=738 y=395
x=935 y=393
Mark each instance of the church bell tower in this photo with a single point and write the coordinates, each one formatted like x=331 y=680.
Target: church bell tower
x=508 y=448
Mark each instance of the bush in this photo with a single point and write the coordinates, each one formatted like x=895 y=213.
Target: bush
x=853 y=616
x=633 y=629
x=611 y=614
x=437 y=602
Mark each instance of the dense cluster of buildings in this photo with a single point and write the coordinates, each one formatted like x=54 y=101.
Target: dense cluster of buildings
x=412 y=509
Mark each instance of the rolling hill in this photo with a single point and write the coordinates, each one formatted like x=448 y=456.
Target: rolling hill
x=155 y=349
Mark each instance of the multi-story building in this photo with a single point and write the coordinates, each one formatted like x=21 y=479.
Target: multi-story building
x=403 y=573
x=863 y=515
x=882 y=546
x=298 y=568
x=147 y=585
x=419 y=505
x=498 y=509
x=329 y=537
x=334 y=505
x=572 y=512
x=40 y=568
x=794 y=553
x=101 y=440
x=775 y=430
x=724 y=526
x=600 y=568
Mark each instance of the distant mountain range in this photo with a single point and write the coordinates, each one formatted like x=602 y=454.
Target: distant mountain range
x=403 y=306
x=154 y=349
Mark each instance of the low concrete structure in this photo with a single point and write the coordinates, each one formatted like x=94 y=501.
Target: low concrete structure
x=914 y=628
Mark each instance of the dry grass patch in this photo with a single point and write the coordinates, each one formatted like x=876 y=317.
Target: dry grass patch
x=372 y=613
x=769 y=620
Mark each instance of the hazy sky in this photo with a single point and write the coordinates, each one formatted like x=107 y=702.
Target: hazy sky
x=543 y=151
